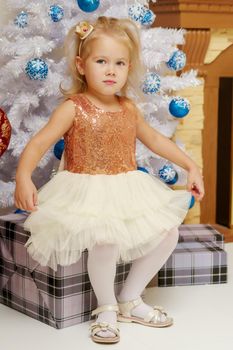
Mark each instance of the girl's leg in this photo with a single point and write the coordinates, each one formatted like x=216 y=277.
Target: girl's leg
x=144 y=269
x=101 y=265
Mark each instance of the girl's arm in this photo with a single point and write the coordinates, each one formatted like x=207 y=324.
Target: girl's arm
x=60 y=121
x=167 y=149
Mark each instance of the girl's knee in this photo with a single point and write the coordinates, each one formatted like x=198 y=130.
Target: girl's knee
x=171 y=238
x=105 y=251
x=174 y=235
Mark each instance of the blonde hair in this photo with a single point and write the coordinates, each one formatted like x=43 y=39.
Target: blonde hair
x=123 y=29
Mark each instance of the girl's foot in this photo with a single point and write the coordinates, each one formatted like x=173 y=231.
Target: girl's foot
x=110 y=317
x=141 y=310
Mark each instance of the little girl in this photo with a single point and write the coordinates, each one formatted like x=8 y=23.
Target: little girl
x=99 y=201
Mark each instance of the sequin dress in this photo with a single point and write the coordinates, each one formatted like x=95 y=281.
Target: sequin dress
x=100 y=197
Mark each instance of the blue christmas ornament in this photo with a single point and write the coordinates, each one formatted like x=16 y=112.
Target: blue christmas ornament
x=36 y=69
x=56 y=12
x=21 y=20
x=141 y=14
x=136 y=12
x=168 y=174
x=177 y=60
x=20 y=211
x=148 y=18
x=179 y=107
x=58 y=149
x=88 y=5
x=192 y=202
x=142 y=169
x=151 y=83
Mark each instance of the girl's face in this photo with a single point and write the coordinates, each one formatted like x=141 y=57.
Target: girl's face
x=107 y=65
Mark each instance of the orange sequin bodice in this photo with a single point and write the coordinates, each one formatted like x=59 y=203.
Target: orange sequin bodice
x=101 y=142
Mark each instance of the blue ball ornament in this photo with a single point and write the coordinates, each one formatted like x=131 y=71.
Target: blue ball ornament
x=168 y=174
x=179 y=107
x=36 y=69
x=20 y=211
x=56 y=12
x=21 y=20
x=141 y=14
x=192 y=202
x=88 y=5
x=142 y=169
x=148 y=18
x=151 y=83
x=177 y=60
x=58 y=149
x=136 y=12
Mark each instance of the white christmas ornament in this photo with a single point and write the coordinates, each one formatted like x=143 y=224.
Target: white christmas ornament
x=21 y=19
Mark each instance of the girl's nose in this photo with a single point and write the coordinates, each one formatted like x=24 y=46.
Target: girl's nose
x=110 y=71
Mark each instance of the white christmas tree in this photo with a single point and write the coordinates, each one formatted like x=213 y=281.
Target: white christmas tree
x=32 y=66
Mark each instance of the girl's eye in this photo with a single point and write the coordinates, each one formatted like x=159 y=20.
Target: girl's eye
x=121 y=63
x=101 y=61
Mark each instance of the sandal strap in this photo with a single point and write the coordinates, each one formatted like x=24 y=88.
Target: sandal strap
x=103 y=326
x=126 y=307
x=105 y=308
x=156 y=313
x=158 y=307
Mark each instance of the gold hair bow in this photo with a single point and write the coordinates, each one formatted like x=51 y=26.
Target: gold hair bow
x=83 y=29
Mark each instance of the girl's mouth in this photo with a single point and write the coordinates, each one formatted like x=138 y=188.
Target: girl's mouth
x=109 y=82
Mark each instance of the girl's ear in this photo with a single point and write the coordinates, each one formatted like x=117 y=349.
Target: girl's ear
x=80 y=65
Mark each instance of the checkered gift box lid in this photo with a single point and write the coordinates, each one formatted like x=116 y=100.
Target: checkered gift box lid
x=200 y=233
x=200 y=263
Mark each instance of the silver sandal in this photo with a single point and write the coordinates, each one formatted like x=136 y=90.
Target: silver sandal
x=104 y=326
x=152 y=319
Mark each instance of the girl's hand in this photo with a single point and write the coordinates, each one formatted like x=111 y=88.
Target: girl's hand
x=26 y=194
x=195 y=183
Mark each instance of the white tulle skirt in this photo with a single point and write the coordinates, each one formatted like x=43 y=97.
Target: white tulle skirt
x=134 y=210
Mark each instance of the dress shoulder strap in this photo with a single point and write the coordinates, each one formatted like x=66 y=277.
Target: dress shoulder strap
x=130 y=105
x=76 y=99
x=78 y=102
x=127 y=101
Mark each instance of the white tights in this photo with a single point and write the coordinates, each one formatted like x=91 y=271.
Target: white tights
x=101 y=267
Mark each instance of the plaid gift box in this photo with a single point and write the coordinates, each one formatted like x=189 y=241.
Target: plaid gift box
x=200 y=233
x=59 y=299
x=194 y=263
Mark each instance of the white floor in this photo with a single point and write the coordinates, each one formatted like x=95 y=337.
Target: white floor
x=203 y=319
